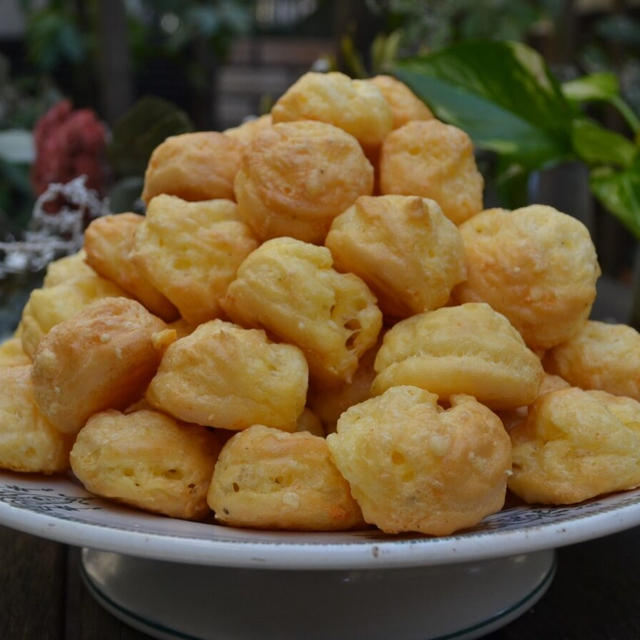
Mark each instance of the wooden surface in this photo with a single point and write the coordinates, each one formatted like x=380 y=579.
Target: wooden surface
x=595 y=595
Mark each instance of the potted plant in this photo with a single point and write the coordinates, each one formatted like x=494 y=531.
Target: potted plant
x=504 y=95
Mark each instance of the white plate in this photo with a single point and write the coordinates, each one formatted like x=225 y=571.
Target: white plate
x=59 y=509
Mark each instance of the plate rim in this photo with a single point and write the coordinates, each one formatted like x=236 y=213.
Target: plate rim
x=366 y=553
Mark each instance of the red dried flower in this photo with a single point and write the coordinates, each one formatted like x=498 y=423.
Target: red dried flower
x=68 y=144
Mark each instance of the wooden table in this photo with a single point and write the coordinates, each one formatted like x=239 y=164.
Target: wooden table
x=595 y=595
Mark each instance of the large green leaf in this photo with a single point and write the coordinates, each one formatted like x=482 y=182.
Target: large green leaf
x=599 y=146
x=619 y=192
x=501 y=93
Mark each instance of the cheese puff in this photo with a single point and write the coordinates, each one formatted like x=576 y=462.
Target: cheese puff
x=225 y=376
x=433 y=160
x=309 y=421
x=405 y=105
x=576 y=445
x=49 y=306
x=28 y=441
x=600 y=356
x=190 y=251
x=413 y=466
x=552 y=383
x=289 y=288
x=12 y=354
x=147 y=460
x=182 y=327
x=403 y=247
x=108 y=242
x=355 y=106
x=138 y=405
x=297 y=176
x=67 y=268
x=511 y=417
x=249 y=129
x=268 y=479
x=535 y=265
x=101 y=358
x=193 y=166
x=330 y=403
x=469 y=349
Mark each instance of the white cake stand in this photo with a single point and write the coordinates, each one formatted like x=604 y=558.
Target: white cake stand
x=177 y=579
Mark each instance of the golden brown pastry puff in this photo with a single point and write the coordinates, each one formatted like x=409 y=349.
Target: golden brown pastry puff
x=249 y=129
x=190 y=252
x=405 y=105
x=329 y=403
x=297 y=176
x=28 y=441
x=413 y=466
x=12 y=354
x=193 y=166
x=222 y=375
x=575 y=445
x=67 y=268
x=51 y=305
x=289 y=288
x=269 y=479
x=535 y=265
x=108 y=242
x=355 y=106
x=433 y=160
x=101 y=358
x=468 y=349
x=148 y=460
x=600 y=356
x=403 y=247
x=511 y=417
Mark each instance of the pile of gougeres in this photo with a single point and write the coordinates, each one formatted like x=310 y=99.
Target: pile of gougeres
x=316 y=326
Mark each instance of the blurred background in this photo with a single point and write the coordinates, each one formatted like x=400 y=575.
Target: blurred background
x=90 y=87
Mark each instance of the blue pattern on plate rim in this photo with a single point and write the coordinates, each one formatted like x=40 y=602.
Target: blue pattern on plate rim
x=69 y=502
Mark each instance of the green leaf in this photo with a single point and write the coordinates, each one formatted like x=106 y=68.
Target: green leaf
x=391 y=46
x=352 y=58
x=596 y=86
x=140 y=130
x=384 y=51
x=602 y=86
x=378 y=52
x=619 y=193
x=16 y=146
x=598 y=146
x=502 y=94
